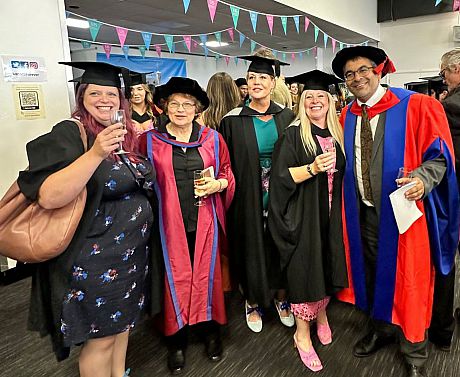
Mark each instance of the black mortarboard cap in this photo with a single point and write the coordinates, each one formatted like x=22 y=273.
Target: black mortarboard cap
x=99 y=73
x=180 y=85
x=260 y=64
x=241 y=81
x=317 y=80
x=138 y=78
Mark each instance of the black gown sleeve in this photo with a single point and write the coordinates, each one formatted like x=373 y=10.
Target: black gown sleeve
x=48 y=154
x=283 y=219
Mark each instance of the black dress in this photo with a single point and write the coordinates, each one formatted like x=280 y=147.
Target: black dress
x=307 y=234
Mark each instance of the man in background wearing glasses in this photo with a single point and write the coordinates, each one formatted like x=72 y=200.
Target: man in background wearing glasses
x=392 y=274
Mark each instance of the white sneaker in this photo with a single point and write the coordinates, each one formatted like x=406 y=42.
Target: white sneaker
x=288 y=321
x=255 y=326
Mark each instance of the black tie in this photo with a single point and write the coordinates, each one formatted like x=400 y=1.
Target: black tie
x=366 y=154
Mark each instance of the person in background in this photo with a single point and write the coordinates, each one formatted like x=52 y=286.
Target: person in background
x=223 y=96
x=281 y=94
x=251 y=132
x=392 y=274
x=141 y=103
x=305 y=211
x=242 y=85
x=294 y=89
x=93 y=293
x=190 y=234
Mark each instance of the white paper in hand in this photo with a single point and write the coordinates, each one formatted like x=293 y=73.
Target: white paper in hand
x=406 y=211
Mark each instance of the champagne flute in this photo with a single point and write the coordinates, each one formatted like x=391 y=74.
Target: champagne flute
x=330 y=147
x=119 y=116
x=198 y=180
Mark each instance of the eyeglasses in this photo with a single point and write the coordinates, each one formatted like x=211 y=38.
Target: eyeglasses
x=363 y=71
x=442 y=73
x=176 y=105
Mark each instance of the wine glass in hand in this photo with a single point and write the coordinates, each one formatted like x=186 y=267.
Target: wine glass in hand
x=119 y=116
x=198 y=180
x=330 y=148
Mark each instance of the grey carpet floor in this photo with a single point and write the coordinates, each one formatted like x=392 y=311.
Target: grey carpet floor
x=268 y=354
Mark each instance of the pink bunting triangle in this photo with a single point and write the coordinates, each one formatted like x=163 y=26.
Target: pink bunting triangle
x=122 y=33
x=227 y=59
x=456 y=5
x=188 y=42
x=292 y=56
x=212 y=6
x=107 y=49
x=333 y=44
x=307 y=22
x=194 y=44
x=231 y=34
x=270 y=22
x=158 y=50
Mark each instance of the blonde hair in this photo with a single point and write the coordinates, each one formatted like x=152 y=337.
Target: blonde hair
x=281 y=94
x=223 y=96
x=148 y=101
x=332 y=122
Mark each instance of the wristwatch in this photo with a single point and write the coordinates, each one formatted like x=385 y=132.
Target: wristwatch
x=309 y=170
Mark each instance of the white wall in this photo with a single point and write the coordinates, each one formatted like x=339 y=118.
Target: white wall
x=416 y=45
x=32 y=29
x=357 y=15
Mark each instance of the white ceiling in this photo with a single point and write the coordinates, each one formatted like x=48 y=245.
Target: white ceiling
x=168 y=17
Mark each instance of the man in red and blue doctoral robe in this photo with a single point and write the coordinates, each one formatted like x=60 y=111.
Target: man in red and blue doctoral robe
x=391 y=275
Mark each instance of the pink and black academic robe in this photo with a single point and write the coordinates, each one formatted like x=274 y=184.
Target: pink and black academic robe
x=192 y=294
x=416 y=130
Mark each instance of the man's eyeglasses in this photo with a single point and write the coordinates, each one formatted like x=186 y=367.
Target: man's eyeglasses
x=442 y=74
x=363 y=71
x=176 y=105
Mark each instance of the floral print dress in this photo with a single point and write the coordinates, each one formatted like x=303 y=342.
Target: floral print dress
x=106 y=293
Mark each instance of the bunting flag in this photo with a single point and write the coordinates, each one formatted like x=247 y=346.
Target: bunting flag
x=86 y=44
x=231 y=34
x=235 y=15
x=242 y=38
x=194 y=44
x=142 y=50
x=437 y=3
x=147 y=37
x=125 y=51
x=205 y=51
x=325 y=37
x=284 y=23
x=188 y=42
x=212 y=6
x=341 y=45
x=301 y=55
x=293 y=56
x=308 y=52
x=122 y=33
x=204 y=39
x=169 y=42
x=218 y=35
x=315 y=52
x=297 y=23
x=253 y=46
x=316 y=33
x=236 y=60
x=333 y=44
x=227 y=59
x=186 y=4
x=307 y=23
x=456 y=5
x=270 y=22
x=158 y=50
x=94 y=26
x=275 y=53
x=253 y=17
x=284 y=56
x=107 y=49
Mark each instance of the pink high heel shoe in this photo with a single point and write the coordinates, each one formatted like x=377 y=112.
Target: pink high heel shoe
x=309 y=358
x=324 y=333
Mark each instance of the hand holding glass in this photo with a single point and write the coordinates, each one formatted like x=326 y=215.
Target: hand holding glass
x=403 y=173
x=330 y=148
x=198 y=180
x=119 y=116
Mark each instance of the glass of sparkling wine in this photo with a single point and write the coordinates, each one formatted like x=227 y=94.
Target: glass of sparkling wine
x=119 y=116
x=198 y=180
x=330 y=147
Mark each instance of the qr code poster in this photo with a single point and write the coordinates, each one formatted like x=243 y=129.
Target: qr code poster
x=28 y=102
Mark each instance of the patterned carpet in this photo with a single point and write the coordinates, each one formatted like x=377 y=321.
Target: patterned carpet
x=268 y=354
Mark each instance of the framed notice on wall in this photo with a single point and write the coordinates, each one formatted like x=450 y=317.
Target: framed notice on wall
x=23 y=69
x=28 y=101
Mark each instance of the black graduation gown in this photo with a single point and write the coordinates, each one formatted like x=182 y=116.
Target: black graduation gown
x=254 y=259
x=309 y=240
x=48 y=154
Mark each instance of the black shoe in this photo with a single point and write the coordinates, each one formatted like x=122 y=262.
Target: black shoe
x=213 y=348
x=176 y=361
x=415 y=371
x=370 y=344
x=441 y=343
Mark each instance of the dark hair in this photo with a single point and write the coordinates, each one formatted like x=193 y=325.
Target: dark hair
x=93 y=127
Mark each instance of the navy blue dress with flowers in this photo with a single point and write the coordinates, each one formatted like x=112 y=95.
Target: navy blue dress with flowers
x=106 y=294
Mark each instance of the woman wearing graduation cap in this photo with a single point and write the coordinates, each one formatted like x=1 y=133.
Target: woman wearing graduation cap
x=251 y=132
x=305 y=211
x=141 y=103
x=92 y=294
x=191 y=235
